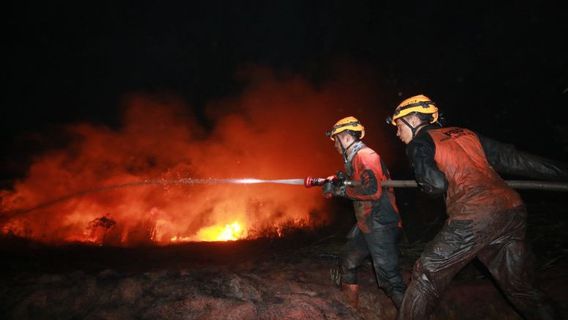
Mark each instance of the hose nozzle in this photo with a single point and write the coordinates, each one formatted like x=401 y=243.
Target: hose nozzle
x=314 y=182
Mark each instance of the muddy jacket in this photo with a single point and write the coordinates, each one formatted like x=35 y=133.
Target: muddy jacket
x=373 y=204
x=462 y=164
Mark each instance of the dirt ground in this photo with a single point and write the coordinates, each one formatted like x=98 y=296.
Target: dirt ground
x=261 y=279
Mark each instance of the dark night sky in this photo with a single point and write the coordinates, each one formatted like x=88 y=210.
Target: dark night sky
x=498 y=68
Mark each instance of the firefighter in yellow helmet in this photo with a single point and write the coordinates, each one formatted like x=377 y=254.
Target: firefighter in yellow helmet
x=425 y=110
x=486 y=218
x=378 y=227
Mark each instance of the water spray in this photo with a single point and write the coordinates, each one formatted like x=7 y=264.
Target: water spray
x=307 y=182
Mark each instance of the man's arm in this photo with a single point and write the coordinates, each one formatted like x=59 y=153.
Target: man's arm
x=505 y=158
x=421 y=153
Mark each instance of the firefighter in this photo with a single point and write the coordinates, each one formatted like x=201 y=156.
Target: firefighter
x=378 y=227
x=486 y=218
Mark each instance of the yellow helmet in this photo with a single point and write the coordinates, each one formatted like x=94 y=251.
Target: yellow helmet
x=347 y=123
x=419 y=103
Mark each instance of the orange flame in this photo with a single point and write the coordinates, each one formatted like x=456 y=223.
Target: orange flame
x=232 y=231
x=229 y=232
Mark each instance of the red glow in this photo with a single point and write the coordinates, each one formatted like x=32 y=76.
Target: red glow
x=274 y=130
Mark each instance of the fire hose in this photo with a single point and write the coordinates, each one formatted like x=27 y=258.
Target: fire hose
x=516 y=184
x=308 y=182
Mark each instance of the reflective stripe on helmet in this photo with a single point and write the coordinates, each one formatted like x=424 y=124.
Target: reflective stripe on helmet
x=347 y=123
x=419 y=104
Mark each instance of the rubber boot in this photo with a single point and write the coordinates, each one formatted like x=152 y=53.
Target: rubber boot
x=351 y=293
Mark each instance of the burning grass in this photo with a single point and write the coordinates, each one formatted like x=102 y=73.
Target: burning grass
x=280 y=277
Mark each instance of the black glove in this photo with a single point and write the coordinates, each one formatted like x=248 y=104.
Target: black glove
x=333 y=188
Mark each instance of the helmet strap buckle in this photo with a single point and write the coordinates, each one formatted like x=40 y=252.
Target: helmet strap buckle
x=414 y=130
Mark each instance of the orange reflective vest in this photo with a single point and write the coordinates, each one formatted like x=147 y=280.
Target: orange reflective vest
x=373 y=204
x=474 y=188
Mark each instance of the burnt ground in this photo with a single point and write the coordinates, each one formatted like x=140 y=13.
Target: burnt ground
x=284 y=278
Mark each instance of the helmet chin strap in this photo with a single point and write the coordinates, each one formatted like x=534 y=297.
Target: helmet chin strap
x=344 y=149
x=413 y=129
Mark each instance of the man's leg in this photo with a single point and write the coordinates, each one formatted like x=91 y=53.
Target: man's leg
x=355 y=252
x=506 y=259
x=442 y=258
x=383 y=247
x=345 y=276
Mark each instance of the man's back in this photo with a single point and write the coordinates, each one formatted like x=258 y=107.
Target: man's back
x=474 y=188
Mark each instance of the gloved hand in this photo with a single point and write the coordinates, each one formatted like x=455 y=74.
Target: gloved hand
x=327 y=190
x=331 y=189
x=339 y=178
x=335 y=185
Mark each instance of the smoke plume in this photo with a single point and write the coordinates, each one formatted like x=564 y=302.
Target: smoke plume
x=274 y=129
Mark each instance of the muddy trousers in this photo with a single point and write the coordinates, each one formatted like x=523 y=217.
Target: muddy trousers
x=498 y=240
x=382 y=245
